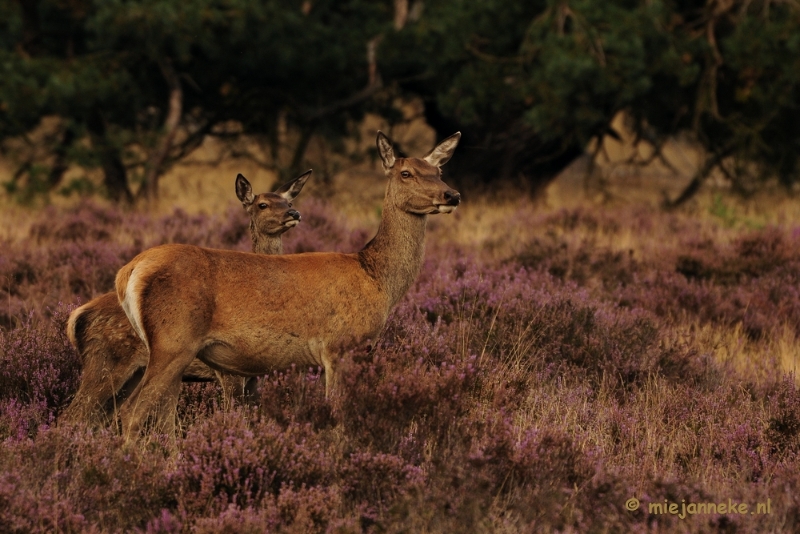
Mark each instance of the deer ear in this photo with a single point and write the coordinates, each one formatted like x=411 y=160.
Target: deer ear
x=292 y=189
x=385 y=150
x=244 y=191
x=442 y=152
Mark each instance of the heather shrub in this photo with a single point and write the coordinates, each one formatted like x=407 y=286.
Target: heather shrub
x=506 y=457
x=197 y=401
x=67 y=480
x=234 y=230
x=85 y=222
x=751 y=280
x=582 y=245
x=293 y=396
x=38 y=366
x=19 y=271
x=584 y=262
x=761 y=306
x=395 y=399
x=749 y=256
x=309 y=509
x=166 y=523
x=21 y=420
x=322 y=229
x=527 y=386
x=783 y=432
x=714 y=276
x=200 y=229
x=373 y=481
x=87 y=269
x=64 y=271
x=529 y=318
x=488 y=460
x=235 y=520
x=305 y=510
x=580 y=218
x=231 y=459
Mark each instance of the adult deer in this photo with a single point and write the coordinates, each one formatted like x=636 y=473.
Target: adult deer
x=248 y=314
x=113 y=355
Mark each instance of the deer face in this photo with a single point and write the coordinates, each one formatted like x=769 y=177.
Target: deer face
x=415 y=185
x=271 y=213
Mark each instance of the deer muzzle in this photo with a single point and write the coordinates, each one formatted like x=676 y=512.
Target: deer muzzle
x=294 y=218
x=452 y=197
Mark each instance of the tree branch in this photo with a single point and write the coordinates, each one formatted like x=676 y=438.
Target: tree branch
x=400 y=14
x=699 y=178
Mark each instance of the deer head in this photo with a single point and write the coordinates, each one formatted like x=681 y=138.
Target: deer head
x=271 y=213
x=415 y=184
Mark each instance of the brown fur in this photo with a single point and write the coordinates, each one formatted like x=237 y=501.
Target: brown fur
x=114 y=356
x=248 y=314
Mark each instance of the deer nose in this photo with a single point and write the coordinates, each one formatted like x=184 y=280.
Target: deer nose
x=453 y=198
x=294 y=214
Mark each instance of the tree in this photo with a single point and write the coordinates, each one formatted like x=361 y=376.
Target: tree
x=530 y=83
x=128 y=74
x=53 y=67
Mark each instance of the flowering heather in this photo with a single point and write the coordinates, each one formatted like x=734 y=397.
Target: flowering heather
x=533 y=383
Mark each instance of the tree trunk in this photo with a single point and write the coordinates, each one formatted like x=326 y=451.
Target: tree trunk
x=699 y=178
x=60 y=164
x=300 y=150
x=115 y=176
x=149 y=189
x=400 y=14
x=31 y=44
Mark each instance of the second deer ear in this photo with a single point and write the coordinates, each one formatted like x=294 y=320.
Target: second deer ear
x=442 y=152
x=244 y=191
x=292 y=189
x=385 y=150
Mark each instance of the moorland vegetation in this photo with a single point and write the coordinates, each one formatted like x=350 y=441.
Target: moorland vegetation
x=548 y=365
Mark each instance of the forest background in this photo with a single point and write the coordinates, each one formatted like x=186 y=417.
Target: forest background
x=132 y=88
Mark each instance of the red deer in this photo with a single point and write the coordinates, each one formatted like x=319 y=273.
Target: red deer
x=114 y=357
x=248 y=314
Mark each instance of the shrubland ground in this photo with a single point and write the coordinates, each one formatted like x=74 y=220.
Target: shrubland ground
x=551 y=363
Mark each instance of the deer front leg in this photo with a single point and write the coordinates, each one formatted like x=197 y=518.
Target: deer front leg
x=330 y=362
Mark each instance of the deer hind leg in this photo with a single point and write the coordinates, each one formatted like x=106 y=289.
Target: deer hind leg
x=88 y=405
x=153 y=403
x=101 y=380
x=123 y=392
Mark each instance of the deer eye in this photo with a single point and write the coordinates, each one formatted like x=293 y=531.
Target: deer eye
x=405 y=174
x=262 y=206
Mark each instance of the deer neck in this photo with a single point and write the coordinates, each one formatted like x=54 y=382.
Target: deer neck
x=266 y=244
x=394 y=256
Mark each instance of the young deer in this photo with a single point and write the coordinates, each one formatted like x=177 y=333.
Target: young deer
x=113 y=355
x=247 y=314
